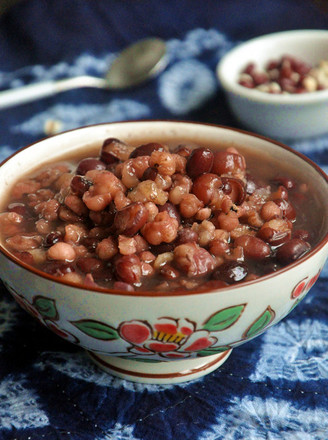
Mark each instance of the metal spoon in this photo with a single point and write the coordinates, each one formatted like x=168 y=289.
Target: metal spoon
x=134 y=65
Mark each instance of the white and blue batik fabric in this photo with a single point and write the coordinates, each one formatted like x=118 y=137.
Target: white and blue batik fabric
x=275 y=386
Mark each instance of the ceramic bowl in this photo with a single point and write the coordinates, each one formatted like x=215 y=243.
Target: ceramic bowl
x=281 y=116
x=161 y=338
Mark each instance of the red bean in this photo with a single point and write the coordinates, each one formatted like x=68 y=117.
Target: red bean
x=52 y=238
x=186 y=235
x=79 y=185
x=287 y=208
x=254 y=248
x=149 y=174
x=19 y=208
x=249 y=68
x=169 y=272
x=281 y=193
x=162 y=248
x=171 y=210
x=200 y=161
x=206 y=186
x=108 y=153
x=147 y=149
x=131 y=219
x=193 y=260
x=225 y=162
x=90 y=163
x=128 y=269
x=274 y=237
x=292 y=250
x=89 y=264
x=259 y=77
x=235 y=188
x=183 y=150
x=231 y=272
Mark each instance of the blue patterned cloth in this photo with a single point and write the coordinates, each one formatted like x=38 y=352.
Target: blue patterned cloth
x=274 y=387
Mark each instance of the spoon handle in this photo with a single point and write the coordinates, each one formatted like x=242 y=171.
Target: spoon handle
x=33 y=92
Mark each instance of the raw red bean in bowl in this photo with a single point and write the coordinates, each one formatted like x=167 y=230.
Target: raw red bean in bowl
x=284 y=75
x=159 y=217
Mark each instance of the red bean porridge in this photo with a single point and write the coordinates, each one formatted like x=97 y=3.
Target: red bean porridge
x=159 y=218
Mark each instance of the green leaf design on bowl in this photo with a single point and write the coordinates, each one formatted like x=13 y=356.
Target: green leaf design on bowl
x=96 y=329
x=224 y=318
x=213 y=350
x=46 y=307
x=260 y=323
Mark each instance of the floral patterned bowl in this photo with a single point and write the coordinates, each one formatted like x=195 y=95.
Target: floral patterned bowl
x=161 y=338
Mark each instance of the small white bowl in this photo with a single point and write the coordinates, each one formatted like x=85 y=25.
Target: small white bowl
x=292 y=116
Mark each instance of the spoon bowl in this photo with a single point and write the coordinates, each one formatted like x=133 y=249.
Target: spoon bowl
x=136 y=64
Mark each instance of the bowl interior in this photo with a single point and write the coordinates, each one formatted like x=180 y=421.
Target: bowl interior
x=92 y=137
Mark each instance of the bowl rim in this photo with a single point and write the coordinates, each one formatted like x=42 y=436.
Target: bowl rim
x=156 y=294
x=231 y=85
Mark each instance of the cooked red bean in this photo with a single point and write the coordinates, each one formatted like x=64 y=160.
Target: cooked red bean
x=79 y=185
x=113 y=150
x=131 y=219
x=150 y=173
x=253 y=247
x=234 y=188
x=186 y=235
x=287 y=208
x=193 y=260
x=128 y=269
x=183 y=150
x=89 y=264
x=147 y=149
x=52 y=238
x=292 y=250
x=171 y=210
x=152 y=218
x=206 y=186
x=169 y=272
x=200 y=161
x=271 y=210
x=19 y=208
x=275 y=231
x=231 y=272
x=227 y=163
x=89 y=164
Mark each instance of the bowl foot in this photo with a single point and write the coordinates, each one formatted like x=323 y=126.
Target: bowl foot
x=159 y=372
